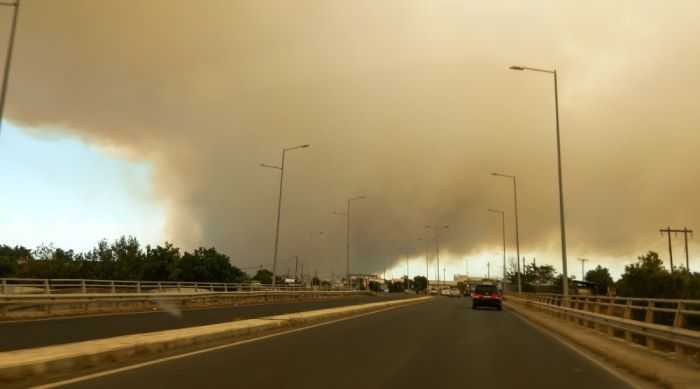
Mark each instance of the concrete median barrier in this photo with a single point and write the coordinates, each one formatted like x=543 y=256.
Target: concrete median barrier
x=23 y=364
x=27 y=307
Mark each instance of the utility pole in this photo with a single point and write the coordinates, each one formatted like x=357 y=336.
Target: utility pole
x=668 y=231
x=583 y=274
x=296 y=268
x=488 y=270
x=407 y=272
x=685 y=231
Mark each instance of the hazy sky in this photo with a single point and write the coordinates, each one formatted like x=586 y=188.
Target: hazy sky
x=408 y=102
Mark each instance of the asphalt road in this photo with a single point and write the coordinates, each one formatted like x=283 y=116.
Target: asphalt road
x=28 y=334
x=441 y=343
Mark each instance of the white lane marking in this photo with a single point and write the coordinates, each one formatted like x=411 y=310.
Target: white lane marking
x=627 y=378
x=206 y=350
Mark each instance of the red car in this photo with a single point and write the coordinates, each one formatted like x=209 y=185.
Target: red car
x=486 y=296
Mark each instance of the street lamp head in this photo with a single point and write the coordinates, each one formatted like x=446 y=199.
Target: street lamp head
x=502 y=175
x=514 y=67
x=297 y=147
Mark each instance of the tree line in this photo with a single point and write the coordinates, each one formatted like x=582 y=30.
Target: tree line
x=645 y=278
x=124 y=259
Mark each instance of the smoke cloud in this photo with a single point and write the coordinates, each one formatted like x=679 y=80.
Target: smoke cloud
x=409 y=103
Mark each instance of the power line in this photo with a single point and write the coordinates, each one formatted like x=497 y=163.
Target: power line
x=685 y=231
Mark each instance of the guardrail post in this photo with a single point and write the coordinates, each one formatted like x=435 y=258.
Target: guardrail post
x=178 y=288
x=610 y=311
x=196 y=286
x=138 y=286
x=160 y=287
x=679 y=319
x=113 y=287
x=83 y=287
x=649 y=318
x=225 y=287
x=47 y=288
x=4 y=287
x=628 y=315
x=595 y=307
x=679 y=322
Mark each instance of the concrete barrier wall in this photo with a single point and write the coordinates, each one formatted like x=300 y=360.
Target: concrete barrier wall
x=16 y=307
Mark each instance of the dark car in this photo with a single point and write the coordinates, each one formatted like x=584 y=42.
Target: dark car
x=486 y=296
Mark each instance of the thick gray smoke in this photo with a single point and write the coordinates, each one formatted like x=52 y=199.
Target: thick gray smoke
x=407 y=102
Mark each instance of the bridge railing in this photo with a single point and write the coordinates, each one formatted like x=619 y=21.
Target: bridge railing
x=665 y=325
x=15 y=286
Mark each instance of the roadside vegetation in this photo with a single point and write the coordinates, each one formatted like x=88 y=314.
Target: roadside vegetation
x=126 y=259
x=123 y=259
x=645 y=278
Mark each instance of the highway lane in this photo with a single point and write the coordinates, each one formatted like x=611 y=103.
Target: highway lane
x=27 y=334
x=441 y=343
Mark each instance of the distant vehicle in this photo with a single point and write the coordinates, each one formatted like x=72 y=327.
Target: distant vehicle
x=445 y=292
x=486 y=296
x=455 y=292
x=433 y=291
x=409 y=291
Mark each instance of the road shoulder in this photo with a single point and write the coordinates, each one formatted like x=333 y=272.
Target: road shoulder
x=615 y=355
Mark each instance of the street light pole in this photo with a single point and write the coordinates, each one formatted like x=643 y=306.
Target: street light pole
x=565 y=281
x=517 y=228
x=425 y=242
x=436 y=232
x=8 y=56
x=503 y=229
x=347 y=235
x=279 y=206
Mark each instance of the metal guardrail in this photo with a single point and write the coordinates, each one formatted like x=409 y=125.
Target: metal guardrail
x=11 y=286
x=635 y=320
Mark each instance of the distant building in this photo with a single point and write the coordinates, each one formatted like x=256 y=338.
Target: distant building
x=363 y=280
